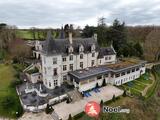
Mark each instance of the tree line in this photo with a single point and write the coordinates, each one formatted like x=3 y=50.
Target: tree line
x=128 y=41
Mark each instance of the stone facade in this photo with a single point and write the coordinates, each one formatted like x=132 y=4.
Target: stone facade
x=61 y=56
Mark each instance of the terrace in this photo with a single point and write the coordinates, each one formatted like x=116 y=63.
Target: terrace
x=125 y=64
x=37 y=94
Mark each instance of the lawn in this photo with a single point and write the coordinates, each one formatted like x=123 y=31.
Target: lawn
x=6 y=76
x=26 y=34
x=9 y=101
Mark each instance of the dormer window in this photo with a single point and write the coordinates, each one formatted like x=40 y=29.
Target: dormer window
x=81 y=48
x=93 y=47
x=70 y=49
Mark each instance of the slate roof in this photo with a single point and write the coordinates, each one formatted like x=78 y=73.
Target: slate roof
x=60 y=46
x=106 y=51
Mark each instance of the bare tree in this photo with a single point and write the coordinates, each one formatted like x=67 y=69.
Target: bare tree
x=152 y=45
x=19 y=50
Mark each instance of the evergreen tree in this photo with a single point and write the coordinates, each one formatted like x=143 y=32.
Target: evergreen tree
x=118 y=36
x=124 y=93
x=88 y=31
x=70 y=117
x=114 y=98
x=138 y=49
x=97 y=86
x=101 y=103
x=48 y=109
x=104 y=83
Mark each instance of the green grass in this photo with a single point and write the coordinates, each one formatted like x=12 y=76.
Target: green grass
x=26 y=34
x=7 y=75
x=144 y=80
x=152 y=89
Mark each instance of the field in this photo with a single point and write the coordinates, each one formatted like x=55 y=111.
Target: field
x=9 y=101
x=28 y=35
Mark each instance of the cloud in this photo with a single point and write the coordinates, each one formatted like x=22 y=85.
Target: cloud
x=54 y=13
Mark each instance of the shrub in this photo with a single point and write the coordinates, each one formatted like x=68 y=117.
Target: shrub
x=16 y=82
x=114 y=98
x=124 y=93
x=101 y=103
x=104 y=83
x=49 y=109
x=70 y=117
x=97 y=86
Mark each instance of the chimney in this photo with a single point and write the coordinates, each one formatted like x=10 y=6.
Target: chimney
x=95 y=36
x=70 y=37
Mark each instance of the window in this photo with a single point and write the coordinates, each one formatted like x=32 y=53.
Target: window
x=117 y=75
x=123 y=73
x=49 y=84
x=93 y=54
x=109 y=58
x=92 y=63
x=106 y=75
x=112 y=75
x=106 y=58
x=71 y=57
x=64 y=67
x=81 y=56
x=81 y=65
x=83 y=82
x=55 y=82
x=64 y=77
x=54 y=60
x=99 y=77
x=64 y=59
x=128 y=71
x=45 y=70
x=133 y=70
x=71 y=66
x=55 y=71
x=100 y=61
x=137 y=69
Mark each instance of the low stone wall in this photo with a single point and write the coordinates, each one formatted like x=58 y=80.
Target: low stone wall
x=38 y=92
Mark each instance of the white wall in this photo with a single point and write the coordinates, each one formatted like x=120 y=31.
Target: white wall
x=127 y=77
x=47 y=62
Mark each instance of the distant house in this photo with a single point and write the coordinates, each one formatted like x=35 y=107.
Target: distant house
x=83 y=63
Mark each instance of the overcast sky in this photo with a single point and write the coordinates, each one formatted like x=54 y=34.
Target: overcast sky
x=55 y=13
